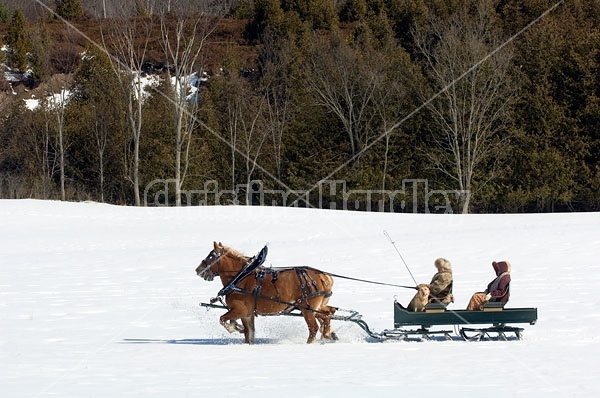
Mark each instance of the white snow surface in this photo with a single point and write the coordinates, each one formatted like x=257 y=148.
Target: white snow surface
x=53 y=101
x=103 y=301
x=145 y=82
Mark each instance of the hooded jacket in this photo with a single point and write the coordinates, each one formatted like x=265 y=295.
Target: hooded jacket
x=499 y=287
x=440 y=288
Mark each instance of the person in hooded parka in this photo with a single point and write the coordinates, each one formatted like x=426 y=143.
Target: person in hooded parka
x=497 y=290
x=440 y=287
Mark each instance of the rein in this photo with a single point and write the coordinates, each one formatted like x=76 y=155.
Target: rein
x=357 y=279
x=245 y=272
x=372 y=282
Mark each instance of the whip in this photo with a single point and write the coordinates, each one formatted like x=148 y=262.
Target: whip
x=402 y=258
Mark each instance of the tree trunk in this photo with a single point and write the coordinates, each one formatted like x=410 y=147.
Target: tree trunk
x=472 y=92
x=61 y=150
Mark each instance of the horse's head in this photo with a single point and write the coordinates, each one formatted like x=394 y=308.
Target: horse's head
x=208 y=268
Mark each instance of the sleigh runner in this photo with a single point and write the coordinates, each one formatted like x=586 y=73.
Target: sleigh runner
x=493 y=314
x=501 y=322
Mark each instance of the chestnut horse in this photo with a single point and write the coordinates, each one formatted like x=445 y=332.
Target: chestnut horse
x=270 y=291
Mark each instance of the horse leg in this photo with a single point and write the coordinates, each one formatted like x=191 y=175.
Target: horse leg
x=228 y=320
x=324 y=318
x=233 y=326
x=313 y=326
x=248 y=322
x=325 y=329
x=238 y=327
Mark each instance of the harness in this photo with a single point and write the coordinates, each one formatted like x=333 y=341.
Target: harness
x=308 y=288
x=308 y=285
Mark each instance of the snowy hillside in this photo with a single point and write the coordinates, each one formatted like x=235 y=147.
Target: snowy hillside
x=102 y=301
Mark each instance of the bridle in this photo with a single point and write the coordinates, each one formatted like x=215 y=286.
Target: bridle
x=213 y=257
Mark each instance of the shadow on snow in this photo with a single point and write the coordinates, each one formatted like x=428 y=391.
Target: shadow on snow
x=219 y=341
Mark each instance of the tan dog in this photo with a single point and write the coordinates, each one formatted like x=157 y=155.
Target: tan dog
x=420 y=300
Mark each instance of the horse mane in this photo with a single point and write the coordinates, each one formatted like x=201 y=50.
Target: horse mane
x=235 y=254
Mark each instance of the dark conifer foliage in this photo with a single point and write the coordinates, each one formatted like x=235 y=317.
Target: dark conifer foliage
x=291 y=93
x=17 y=42
x=69 y=9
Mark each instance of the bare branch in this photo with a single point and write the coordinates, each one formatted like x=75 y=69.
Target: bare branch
x=471 y=114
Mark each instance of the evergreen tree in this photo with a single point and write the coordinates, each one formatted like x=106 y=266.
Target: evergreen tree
x=141 y=9
x=554 y=162
x=242 y=9
x=69 y=9
x=17 y=40
x=320 y=14
x=40 y=53
x=267 y=15
x=1 y=52
x=97 y=126
x=91 y=77
x=4 y=14
x=406 y=16
x=156 y=149
x=353 y=11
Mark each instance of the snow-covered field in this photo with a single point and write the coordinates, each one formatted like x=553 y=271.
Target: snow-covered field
x=102 y=301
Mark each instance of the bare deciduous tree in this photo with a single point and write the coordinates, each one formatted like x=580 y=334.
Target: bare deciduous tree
x=254 y=135
x=57 y=100
x=276 y=60
x=335 y=81
x=389 y=109
x=43 y=139
x=128 y=45
x=346 y=81
x=184 y=43
x=471 y=110
x=57 y=105
x=118 y=8
x=245 y=123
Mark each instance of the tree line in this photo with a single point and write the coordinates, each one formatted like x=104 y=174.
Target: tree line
x=494 y=102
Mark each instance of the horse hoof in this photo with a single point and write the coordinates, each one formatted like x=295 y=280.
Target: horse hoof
x=233 y=326
x=332 y=336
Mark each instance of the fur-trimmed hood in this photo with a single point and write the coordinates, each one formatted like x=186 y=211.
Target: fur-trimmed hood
x=501 y=267
x=498 y=288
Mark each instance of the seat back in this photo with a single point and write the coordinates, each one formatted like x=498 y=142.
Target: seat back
x=435 y=307
x=493 y=306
